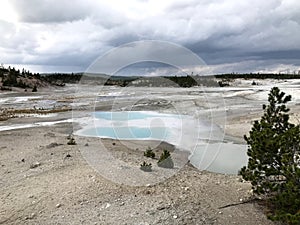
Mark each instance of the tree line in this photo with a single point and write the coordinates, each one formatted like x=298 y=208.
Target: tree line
x=12 y=77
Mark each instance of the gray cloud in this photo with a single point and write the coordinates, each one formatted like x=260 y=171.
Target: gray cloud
x=226 y=32
x=48 y=11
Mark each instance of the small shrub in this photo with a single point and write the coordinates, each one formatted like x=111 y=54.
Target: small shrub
x=165 y=160
x=34 y=89
x=147 y=167
x=71 y=141
x=149 y=153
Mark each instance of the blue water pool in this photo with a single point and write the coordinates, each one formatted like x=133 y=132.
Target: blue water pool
x=184 y=132
x=131 y=125
x=130 y=115
x=159 y=133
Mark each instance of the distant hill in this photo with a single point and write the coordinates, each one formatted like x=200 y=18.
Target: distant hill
x=10 y=77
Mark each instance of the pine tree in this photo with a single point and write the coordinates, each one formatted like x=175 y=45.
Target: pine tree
x=273 y=150
x=11 y=79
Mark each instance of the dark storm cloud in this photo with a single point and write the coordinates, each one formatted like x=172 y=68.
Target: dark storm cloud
x=284 y=54
x=227 y=34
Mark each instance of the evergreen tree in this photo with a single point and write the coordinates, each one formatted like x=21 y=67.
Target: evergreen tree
x=11 y=79
x=273 y=166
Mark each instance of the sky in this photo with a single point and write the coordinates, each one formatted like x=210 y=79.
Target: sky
x=228 y=35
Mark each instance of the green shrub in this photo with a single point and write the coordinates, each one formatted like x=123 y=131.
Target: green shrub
x=34 y=89
x=147 y=167
x=149 y=153
x=72 y=141
x=273 y=167
x=165 y=160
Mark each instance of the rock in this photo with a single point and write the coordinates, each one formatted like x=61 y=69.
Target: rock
x=250 y=192
x=161 y=207
x=175 y=216
x=32 y=215
x=35 y=165
x=68 y=156
x=151 y=213
x=86 y=144
x=53 y=145
x=58 y=205
x=107 y=205
x=22 y=160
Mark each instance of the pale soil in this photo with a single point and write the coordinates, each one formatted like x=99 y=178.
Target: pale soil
x=64 y=188
x=237 y=125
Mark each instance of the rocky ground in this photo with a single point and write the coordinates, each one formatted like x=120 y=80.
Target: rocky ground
x=46 y=181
